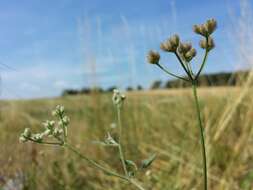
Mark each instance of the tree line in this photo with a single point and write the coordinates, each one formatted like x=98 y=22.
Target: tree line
x=205 y=80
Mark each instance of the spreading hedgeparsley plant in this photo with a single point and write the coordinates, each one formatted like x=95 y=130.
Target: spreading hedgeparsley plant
x=185 y=54
x=55 y=133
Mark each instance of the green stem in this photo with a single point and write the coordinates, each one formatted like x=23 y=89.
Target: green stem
x=121 y=154
x=44 y=142
x=105 y=170
x=166 y=71
x=93 y=163
x=183 y=65
x=194 y=88
x=203 y=62
x=136 y=184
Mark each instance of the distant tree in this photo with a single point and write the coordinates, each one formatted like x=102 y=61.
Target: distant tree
x=129 y=88
x=85 y=90
x=111 y=88
x=139 y=87
x=70 y=92
x=156 y=84
x=97 y=90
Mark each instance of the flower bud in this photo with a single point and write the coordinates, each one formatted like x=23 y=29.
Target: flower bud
x=153 y=57
x=196 y=29
x=27 y=133
x=211 y=44
x=190 y=54
x=59 y=110
x=211 y=25
x=49 y=124
x=183 y=48
x=66 y=120
x=166 y=46
x=174 y=40
x=38 y=137
x=57 y=132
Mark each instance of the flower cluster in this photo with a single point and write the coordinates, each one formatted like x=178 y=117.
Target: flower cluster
x=51 y=129
x=184 y=50
x=153 y=57
x=118 y=98
x=171 y=44
x=206 y=30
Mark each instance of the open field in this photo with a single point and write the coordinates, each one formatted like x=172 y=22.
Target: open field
x=162 y=122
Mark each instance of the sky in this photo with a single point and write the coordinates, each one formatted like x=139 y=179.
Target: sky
x=50 y=45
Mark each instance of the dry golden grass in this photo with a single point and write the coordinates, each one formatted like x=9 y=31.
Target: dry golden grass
x=160 y=121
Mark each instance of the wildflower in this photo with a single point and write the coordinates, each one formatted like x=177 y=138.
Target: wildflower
x=49 y=124
x=59 y=110
x=171 y=44
x=153 y=57
x=57 y=132
x=118 y=98
x=205 y=29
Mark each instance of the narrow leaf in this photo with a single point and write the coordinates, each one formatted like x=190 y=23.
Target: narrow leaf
x=147 y=162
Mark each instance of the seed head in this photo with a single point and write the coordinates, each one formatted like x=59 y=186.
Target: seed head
x=183 y=48
x=153 y=57
x=27 y=133
x=171 y=44
x=205 y=29
x=190 y=54
x=207 y=44
x=211 y=25
x=174 y=40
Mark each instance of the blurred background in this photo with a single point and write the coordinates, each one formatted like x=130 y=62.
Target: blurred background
x=74 y=53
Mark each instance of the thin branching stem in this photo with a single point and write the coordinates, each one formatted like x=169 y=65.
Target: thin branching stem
x=121 y=153
x=194 y=89
x=169 y=73
x=183 y=65
x=136 y=184
x=44 y=142
x=94 y=163
x=203 y=62
x=102 y=168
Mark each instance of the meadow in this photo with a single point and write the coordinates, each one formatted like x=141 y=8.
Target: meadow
x=159 y=121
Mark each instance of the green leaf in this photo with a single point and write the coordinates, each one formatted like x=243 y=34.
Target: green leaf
x=147 y=162
x=131 y=163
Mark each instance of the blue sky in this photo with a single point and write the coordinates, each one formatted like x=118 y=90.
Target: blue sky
x=49 y=45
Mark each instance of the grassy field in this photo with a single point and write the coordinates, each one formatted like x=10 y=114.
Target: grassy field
x=162 y=122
